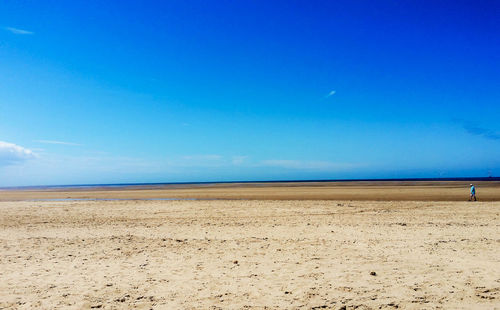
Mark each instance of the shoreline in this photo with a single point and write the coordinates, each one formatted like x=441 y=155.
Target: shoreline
x=264 y=182
x=351 y=190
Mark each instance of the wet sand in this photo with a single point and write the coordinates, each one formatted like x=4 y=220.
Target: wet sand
x=360 y=190
x=250 y=254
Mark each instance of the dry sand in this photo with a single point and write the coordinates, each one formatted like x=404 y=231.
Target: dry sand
x=234 y=254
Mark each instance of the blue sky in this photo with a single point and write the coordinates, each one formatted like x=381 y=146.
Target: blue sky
x=119 y=91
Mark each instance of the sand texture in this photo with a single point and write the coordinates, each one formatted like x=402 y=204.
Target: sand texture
x=255 y=254
x=358 y=190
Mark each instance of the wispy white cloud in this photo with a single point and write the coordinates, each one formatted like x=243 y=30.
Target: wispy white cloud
x=306 y=165
x=238 y=160
x=18 y=31
x=57 y=142
x=208 y=157
x=330 y=94
x=11 y=153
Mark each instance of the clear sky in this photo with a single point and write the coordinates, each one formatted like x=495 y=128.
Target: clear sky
x=166 y=91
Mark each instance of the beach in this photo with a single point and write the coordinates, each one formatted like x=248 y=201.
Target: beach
x=273 y=252
x=249 y=155
x=352 y=190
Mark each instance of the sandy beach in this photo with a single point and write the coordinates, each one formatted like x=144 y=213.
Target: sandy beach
x=249 y=254
x=355 y=190
x=249 y=155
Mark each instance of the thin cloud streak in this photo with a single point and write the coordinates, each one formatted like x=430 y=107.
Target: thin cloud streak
x=57 y=142
x=19 y=31
x=306 y=165
x=330 y=94
x=238 y=160
x=208 y=157
x=482 y=132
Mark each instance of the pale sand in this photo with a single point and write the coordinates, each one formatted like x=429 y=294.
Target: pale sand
x=249 y=254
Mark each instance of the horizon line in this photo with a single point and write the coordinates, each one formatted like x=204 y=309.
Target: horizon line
x=488 y=178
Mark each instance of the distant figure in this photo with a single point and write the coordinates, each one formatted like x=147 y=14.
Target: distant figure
x=472 y=193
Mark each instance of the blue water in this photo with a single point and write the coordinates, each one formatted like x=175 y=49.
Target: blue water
x=120 y=185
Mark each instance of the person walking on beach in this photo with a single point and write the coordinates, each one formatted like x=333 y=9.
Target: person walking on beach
x=472 y=193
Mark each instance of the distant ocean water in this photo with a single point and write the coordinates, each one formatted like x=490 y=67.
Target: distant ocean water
x=119 y=185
